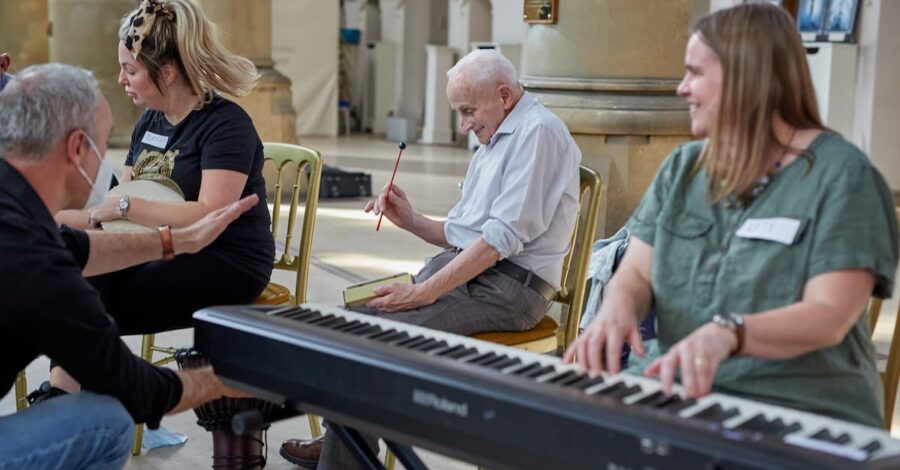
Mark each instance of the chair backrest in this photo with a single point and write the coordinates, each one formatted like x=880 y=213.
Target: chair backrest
x=575 y=265
x=891 y=374
x=303 y=163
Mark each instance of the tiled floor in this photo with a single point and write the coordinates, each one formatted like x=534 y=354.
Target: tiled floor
x=346 y=249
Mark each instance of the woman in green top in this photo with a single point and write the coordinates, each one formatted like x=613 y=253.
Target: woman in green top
x=760 y=245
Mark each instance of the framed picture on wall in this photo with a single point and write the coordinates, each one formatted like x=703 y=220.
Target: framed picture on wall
x=840 y=19
x=811 y=18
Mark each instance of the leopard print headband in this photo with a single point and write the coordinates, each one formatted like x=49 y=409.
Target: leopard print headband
x=142 y=22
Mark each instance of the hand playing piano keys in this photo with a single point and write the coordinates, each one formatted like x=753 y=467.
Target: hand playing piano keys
x=697 y=358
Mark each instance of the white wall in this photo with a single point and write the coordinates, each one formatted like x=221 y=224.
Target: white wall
x=507 y=26
x=876 y=126
x=305 y=49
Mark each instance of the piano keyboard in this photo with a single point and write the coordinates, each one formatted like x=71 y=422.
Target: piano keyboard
x=805 y=440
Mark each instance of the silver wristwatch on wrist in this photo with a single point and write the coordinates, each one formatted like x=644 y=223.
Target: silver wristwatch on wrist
x=123 y=206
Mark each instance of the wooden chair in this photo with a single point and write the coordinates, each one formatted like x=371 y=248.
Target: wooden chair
x=546 y=335
x=891 y=374
x=302 y=163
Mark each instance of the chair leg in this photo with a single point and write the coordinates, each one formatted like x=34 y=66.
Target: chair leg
x=147 y=355
x=314 y=427
x=21 y=391
x=389 y=459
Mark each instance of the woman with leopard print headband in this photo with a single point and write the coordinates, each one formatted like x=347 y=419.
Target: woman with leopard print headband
x=193 y=140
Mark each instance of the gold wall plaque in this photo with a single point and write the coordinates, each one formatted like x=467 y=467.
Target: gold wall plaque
x=541 y=11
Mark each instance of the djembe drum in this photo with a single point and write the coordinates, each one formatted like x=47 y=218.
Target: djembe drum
x=230 y=450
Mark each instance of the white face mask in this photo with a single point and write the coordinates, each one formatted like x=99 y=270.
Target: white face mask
x=100 y=185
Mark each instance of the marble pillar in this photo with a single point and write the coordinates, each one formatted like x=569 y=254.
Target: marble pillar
x=24 y=34
x=86 y=33
x=246 y=29
x=609 y=69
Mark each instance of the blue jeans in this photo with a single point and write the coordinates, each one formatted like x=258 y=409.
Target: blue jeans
x=76 y=431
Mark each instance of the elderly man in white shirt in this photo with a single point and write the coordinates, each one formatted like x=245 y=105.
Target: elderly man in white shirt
x=512 y=227
x=504 y=242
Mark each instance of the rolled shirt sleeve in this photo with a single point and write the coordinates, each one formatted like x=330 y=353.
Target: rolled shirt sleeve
x=521 y=192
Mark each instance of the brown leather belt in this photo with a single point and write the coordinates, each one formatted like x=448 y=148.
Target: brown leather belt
x=526 y=277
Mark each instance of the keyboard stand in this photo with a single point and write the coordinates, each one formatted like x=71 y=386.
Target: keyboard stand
x=369 y=460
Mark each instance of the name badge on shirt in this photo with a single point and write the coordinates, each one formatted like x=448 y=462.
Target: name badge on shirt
x=156 y=140
x=776 y=229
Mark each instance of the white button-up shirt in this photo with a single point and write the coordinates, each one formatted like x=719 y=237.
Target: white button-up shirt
x=521 y=192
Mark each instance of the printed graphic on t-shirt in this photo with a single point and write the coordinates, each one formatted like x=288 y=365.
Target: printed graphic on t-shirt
x=156 y=166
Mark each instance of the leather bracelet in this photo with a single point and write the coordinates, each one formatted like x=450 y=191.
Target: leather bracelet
x=165 y=235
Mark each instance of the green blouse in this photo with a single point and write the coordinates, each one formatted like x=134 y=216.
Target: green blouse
x=700 y=268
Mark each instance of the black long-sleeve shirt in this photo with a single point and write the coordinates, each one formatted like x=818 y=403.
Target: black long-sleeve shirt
x=47 y=307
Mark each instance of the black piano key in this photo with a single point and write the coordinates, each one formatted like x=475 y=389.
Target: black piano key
x=424 y=345
x=323 y=318
x=369 y=330
x=823 y=435
x=349 y=326
x=522 y=368
x=588 y=382
x=302 y=314
x=537 y=372
x=462 y=353
x=650 y=400
x=620 y=393
x=432 y=346
x=484 y=357
x=408 y=340
x=791 y=428
x=561 y=377
x=715 y=413
x=842 y=439
x=871 y=447
x=416 y=341
x=507 y=362
x=758 y=423
x=575 y=377
x=447 y=350
x=677 y=404
x=384 y=334
x=394 y=337
x=332 y=323
x=492 y=361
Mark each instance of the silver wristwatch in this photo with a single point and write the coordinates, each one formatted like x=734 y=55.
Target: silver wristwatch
x=123 y=206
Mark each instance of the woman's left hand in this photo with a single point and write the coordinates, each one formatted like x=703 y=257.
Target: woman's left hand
x=698 y=357
x=105 y=211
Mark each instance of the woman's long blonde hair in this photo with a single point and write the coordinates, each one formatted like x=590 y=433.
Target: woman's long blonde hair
x=764 y=72
x=185 y=37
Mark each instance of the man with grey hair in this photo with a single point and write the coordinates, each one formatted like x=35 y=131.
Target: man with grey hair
x=53 y=135
x=505 y=240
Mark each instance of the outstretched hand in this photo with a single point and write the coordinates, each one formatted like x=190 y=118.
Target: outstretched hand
x=201 y=233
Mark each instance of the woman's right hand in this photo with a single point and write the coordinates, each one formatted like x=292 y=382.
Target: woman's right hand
x=603 y=338
x=395 y=206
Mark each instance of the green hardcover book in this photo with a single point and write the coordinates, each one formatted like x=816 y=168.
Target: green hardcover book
x=360 y=293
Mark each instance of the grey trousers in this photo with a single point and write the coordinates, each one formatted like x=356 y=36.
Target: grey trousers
x=490 y=302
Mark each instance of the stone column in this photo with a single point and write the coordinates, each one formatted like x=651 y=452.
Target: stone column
x=609 y=69
x=24 y=32
x=246 y=29
x=86 y=33
x=468 y=21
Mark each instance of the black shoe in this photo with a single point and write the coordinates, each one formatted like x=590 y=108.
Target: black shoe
x=44 y=393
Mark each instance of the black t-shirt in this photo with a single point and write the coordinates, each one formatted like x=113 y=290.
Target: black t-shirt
x=47 y=307
x=220 y=136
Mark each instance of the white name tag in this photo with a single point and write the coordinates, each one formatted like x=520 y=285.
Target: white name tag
x=776 y=229
x=156 y=140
